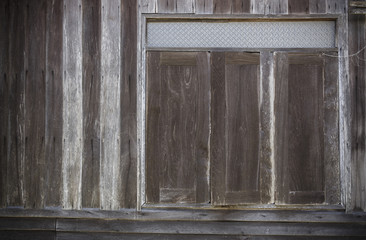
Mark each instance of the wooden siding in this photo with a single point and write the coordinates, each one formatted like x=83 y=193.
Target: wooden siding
x=54 y=134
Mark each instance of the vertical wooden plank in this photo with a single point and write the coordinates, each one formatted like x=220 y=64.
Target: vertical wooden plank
x=91 y=103
x=276 y=7
x=16 y=115
x=298 y=6
x=357 y=77
x=110 y=115
x=317 y=6
x=345 y=136
x=203 y=131
x=240 y=6
x=152 y=164
x=267 y=147
x=147 y=6
x=222 y=7
x=337 y=6
x=4 y=107
x=166 y=6
x=54 y=95
x=204 y=6
x=281 y=122
x=185 y=6
x=35 y=96
x=257 y=6
x=218 y=115
x=331 y=132
x=72 y=130
x=128 y=104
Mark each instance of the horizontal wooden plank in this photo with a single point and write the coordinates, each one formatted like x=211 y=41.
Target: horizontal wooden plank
x=178 y=58
x=241 y=58
x=312 y=59
x=357 y=4
x=197 y=215
x=304 y=197
x=115 y=236
x=25 y=235
x=26 y=223
x=358 y=11
x=177 y=195
x=220 y=228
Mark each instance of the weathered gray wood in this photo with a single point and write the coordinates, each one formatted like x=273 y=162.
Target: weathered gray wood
x=298 y=6
x=27 y=224
x=219 y=228
x=344 y=95
x=266 y=127
x=240 y=6
x=128 y=104
x=223 y=7
x=337 y=6
x=35 y=95
x=281 y=123
x=166 y=6
x=357 y=75
x=25 y=235
x=203 y=6
x=185 y=6
x=147 y=6
x=14 y=85
x=357 y=11
x=110 y=116
x=276 y=7
x=54 y=95
x=331 y=132
x=177 y=127
x=259 y=215
x=257 y=6
x=218 y=113
x=72 y=131
x=357 y=4
x=317 y=6
x=4 y=105
x=91 y=103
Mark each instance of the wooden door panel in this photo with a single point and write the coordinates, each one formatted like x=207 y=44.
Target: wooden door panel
x=177 y=127
x=304 y=148
x=235 y=128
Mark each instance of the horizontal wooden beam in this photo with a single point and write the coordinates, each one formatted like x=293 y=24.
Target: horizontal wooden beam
x=361 y=4
x=359 y=11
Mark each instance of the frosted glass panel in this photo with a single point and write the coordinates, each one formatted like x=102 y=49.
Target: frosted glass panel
x=307 y=34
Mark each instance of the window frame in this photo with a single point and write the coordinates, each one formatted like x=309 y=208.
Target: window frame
x=343 y=93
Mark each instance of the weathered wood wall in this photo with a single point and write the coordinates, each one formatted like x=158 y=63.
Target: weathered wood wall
x=68 y=96
x=68 y=103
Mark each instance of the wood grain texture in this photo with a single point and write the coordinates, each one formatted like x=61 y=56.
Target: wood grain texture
x=72 y=130
x=91 y=104
x=240 y=6
x=337 y=6
x=203 y=6
x=257 y=6
x=185 y=6
x=128 y=104
x=298 y=6
x=166 y=6
x=276 y=7
x=281 y=123
x=357 y=75
x=218 y=113
x=266 y=127
x=110 y=113
x=54 y=96
x=178 y=105
x=147 y=6
x=35 y=95
x=317 y=6
x=331 y=132
x=25 y=235
x=237 y=136
x=16 y=178
x=4 y=105
x=222 y=7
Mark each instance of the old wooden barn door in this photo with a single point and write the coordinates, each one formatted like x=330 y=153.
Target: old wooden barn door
x=204 y=140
